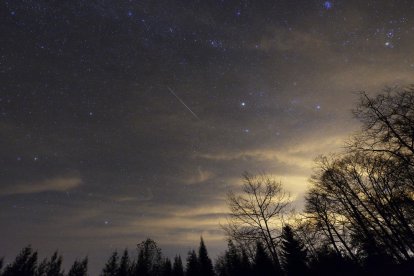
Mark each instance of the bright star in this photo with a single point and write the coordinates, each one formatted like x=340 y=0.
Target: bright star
x=389 y=44
x=243 y=104
x=328 y=5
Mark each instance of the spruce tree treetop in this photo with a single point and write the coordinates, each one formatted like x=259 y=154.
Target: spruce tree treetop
x=79 y=268
x=111 y=266
x=124 y=265
x=205 y=264
x=192 y=268
x=25 y=263
x=294 y=253
x=263 y=264
x=178 y=269
x=54 y=266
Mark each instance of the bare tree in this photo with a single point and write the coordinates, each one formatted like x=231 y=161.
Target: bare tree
x=358 y=202
x=387 y=124
x=256 y=213
x=361 y=201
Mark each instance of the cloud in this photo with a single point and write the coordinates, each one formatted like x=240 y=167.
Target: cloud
x=143 y=196
x=199 y=176
x=300 y=154
x=56 y=184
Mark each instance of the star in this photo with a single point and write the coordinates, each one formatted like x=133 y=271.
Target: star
x=243 y=104
x=215 y=43
x=388 y=44
x=328 y=5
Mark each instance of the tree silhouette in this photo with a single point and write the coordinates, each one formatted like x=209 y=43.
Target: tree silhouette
x=111 y=266
x=79 y=268
x=192 y=268
x=255 y=214
x=41 y=269
x=149 y=258
x=245 y=266
x=293 y=253
x=263 y=264
x=25 y=263
x=124 y=268
x=167 y=268
x=234 y=262
x=231 y=261
x=388 y=124
x=205 y=264
x=52 y=267
x=360 y=202
x=178 y=269
x=328 y=262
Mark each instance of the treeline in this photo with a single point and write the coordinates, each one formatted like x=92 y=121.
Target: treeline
x=359 y=209
x=26 y=264
x=149 y=262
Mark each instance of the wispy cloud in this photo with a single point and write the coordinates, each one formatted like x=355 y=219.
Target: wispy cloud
x=199 y=176
x=57 y=184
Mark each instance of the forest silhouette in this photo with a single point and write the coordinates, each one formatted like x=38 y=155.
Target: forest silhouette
x=358 y=217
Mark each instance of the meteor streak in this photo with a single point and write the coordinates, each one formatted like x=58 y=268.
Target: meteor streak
x=181 y=101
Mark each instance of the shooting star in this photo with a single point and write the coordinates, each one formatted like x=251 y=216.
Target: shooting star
x=181 y=101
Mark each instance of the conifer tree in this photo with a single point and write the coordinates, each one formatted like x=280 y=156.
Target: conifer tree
x=54 y=266
x=245 y=266
x=178 y=269
x=79 y=268
x=124 y=265
x=25 y=264
x=235 y=261
x=111 y=266
x=167 y=268
x=232 y=260
x=263 y=264
x=41 y=268
x=149 y=259
x=205 y=264
x=192 y=268
x=293 y=253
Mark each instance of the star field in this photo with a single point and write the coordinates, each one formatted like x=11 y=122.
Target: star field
x=121 y=120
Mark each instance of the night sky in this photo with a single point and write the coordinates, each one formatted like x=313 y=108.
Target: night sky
x=122 y=120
